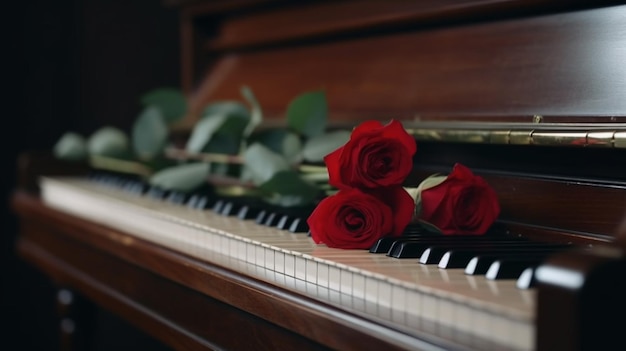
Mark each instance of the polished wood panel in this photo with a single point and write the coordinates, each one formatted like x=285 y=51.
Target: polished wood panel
x=579 y=312
x=314 y=20
x=567 y=64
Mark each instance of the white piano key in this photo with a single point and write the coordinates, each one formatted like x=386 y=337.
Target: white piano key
x=279 y=262
x=270 y=258
x=358 y=286
x=322 y=275
x=346 y=281
x=290 y=265
x=311 y=271
x=300 y=267
x=334 y=278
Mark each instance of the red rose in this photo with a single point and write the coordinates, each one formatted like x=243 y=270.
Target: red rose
x=376 y=155
x=462 y=204
x=355 y=219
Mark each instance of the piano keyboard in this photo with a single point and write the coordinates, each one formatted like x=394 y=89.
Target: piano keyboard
x=411 y=297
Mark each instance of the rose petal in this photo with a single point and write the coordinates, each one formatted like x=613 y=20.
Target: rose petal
x=350 y=219
x=333 y=164
x=395 y=130
x=365 y=128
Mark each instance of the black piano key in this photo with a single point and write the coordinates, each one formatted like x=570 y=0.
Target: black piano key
x=176 y=197
x=133 y=187
x=511 y=268
x=284 y=222
x=192 y=201
x=156 y=192
x=433 y=254
x=460 y=257
x=480 y=264
x=218 y=206
x=383 y=244
x=248 y=212
x=230 y=208
x=299 y=225
x=261 y=216
x=408 y=248
x=526 y=279
x=413 y=247
x=271 y=220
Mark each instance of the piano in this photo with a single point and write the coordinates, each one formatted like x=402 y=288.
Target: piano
x=531 y=95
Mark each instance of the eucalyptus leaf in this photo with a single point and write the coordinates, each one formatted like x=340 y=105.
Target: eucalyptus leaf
x=71 y=146
x=245 y=175
x=431 y=181
x=308 y=113
x=228 y=137
x=222 y=143
x=416 y=193
x=108 y=141
x=256 y=114
x=228 y=118
x=229 y=108
x=317 y=147
x=282 y=142
x=185 y=177
x=203 y=131
x=292 y=148
x=170 y=101
x=263 y=163
x=233 y=126
x=149 y=133
x=287 y=188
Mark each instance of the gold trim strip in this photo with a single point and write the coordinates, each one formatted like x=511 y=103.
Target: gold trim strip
x=575 y=138
x=619 y=139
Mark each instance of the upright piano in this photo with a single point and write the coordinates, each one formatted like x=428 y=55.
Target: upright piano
x=531 y=95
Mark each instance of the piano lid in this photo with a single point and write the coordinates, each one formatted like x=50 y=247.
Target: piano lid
x=475 y=61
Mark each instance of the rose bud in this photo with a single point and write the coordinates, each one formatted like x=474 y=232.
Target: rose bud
x=376 y=155
x=354 y=219
x=461 y=203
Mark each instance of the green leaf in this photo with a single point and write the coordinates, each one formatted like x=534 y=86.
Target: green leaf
x=222 y=143
x=149 y=133
x=431 y=181
x=416 y=193
x=229 y=119
x=287 y=188
x=256 y=115
x=170 y=101
x=233 y=126
x=308 y=113
x=227 y=138
x=317 y=147
x=262 y=163
x=108 y=141
x=71 y=146
x=229 y=108
x=282 y=142
x=292 y=148
x=203 y=131
x=185 y=177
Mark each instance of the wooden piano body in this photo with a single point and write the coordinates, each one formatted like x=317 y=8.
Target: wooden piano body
x=529 y=94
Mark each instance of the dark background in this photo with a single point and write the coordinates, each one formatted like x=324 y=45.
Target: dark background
x=72 y=65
